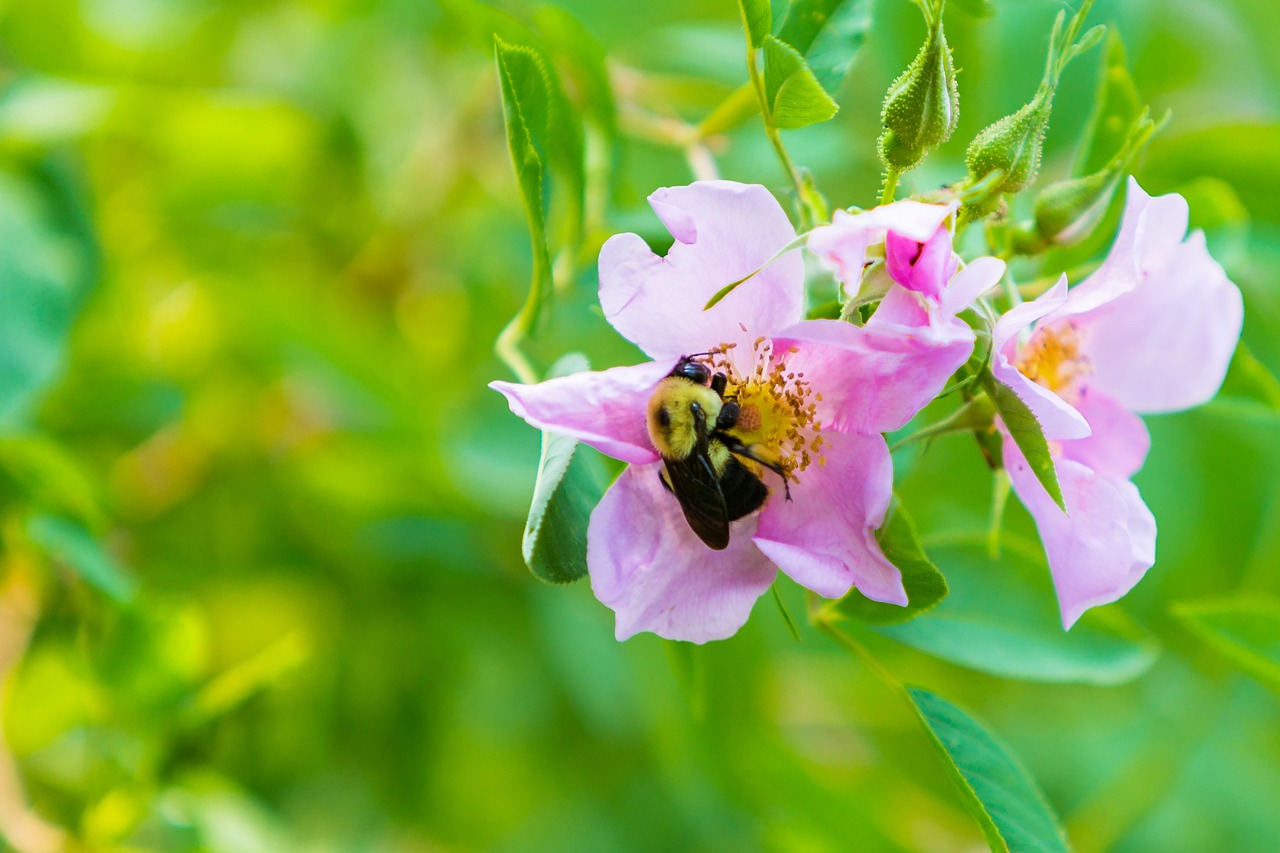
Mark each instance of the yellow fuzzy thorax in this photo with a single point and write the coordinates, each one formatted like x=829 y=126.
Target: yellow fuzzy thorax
x=1053 y=359
x=778 y=417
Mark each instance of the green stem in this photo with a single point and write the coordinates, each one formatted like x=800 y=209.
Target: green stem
x=508 y=344
x=842 y=638
x=890 y=185
x=999 y=497
x=775 y=138
x=786 y=614
x=942 y=427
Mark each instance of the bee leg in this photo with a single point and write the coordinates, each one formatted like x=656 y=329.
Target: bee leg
x=750 y=452
x=728 y=414
x=718 y=384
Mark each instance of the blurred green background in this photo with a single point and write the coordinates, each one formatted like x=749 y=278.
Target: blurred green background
x=262 y=587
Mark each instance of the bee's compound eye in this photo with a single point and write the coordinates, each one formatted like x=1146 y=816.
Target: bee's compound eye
x=694 y=371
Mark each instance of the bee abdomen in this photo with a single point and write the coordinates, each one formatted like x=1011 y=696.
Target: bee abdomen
x=744 y=492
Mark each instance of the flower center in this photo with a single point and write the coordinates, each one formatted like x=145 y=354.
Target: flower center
x=1053 y=359
x=778 y=414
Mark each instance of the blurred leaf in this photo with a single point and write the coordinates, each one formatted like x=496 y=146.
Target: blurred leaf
x=1001 y=617
x=1216 y=210
x=795 y=97
x=1242 y=154
x=1245 y=631
x=43 y=474
x=524 y=104
x=72 y=544
x=996 y=788
x=41 y=273
x=757 y=19
x=40 y=110
x=1249 y=378
x=1116 y=106
x=571 y=480
x=1026 y=433
x=829 y=34
x=975 y=8
x=584 y=58
x=236 y=684
x=925 y=585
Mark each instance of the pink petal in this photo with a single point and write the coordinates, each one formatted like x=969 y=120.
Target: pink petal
x=977 y=278
x=656 y=575
x=604 y=409
x=875 y=378
x=923 y=267
x=1166 y=345
x=825 y=539
x=1104 y=543
x=1119 y=442
x=723 y=230
x=842 y=245
x=1057 y=418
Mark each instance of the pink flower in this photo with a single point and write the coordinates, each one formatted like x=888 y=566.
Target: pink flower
x=916 y=319
x=1152 y=330
x=823 y=392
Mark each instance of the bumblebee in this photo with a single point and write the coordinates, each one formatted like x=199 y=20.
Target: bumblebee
x=691 y=425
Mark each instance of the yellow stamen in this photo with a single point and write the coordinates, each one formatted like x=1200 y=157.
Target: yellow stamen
x=1052 y=358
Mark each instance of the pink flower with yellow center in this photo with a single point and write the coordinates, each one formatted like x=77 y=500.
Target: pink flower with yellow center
x=813 y=397
x=1152 y=330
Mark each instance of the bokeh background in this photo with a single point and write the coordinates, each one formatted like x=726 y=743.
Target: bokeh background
x=261 y=585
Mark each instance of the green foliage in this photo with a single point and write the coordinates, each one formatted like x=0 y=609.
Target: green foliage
x=571 y=480
x=526 y=104
x=71 y=544
x=925 y=585
x=1117 y=106
x=757 y=20
x=1025 y=431
x=997 y=790
x=1002 y=618
x=795 y=97
x=254 y=259
x=1245 y=632
x=829 y=33
x=44 y=274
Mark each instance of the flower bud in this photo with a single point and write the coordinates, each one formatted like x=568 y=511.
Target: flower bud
x=1005 y=157
x=1066 y=212
x=923 y=105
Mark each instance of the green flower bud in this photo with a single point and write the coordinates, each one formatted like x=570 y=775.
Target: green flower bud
x=1005 y=157
x=1067 y=212
x=922 y=106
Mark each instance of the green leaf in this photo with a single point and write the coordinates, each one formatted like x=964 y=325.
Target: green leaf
x=571 y=480
x=997 y=790
x=72 y=544
x=46 y=267
x=829 y=34
x=1246 y=632
x=757 y=19
x=925 y=585
x=795 y=97
x=1027 y=434
x=1250 y=379
x=1001 y=617
x=525 y=102
x=1117 y=106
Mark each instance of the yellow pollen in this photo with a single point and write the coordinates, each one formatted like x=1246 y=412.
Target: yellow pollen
x=778 y=414
x=1052 y=358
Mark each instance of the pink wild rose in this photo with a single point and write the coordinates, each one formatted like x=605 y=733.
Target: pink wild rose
x=817 y=394
x=1152 y=330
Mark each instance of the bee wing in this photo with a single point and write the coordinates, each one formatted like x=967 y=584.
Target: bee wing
x=694 y=482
